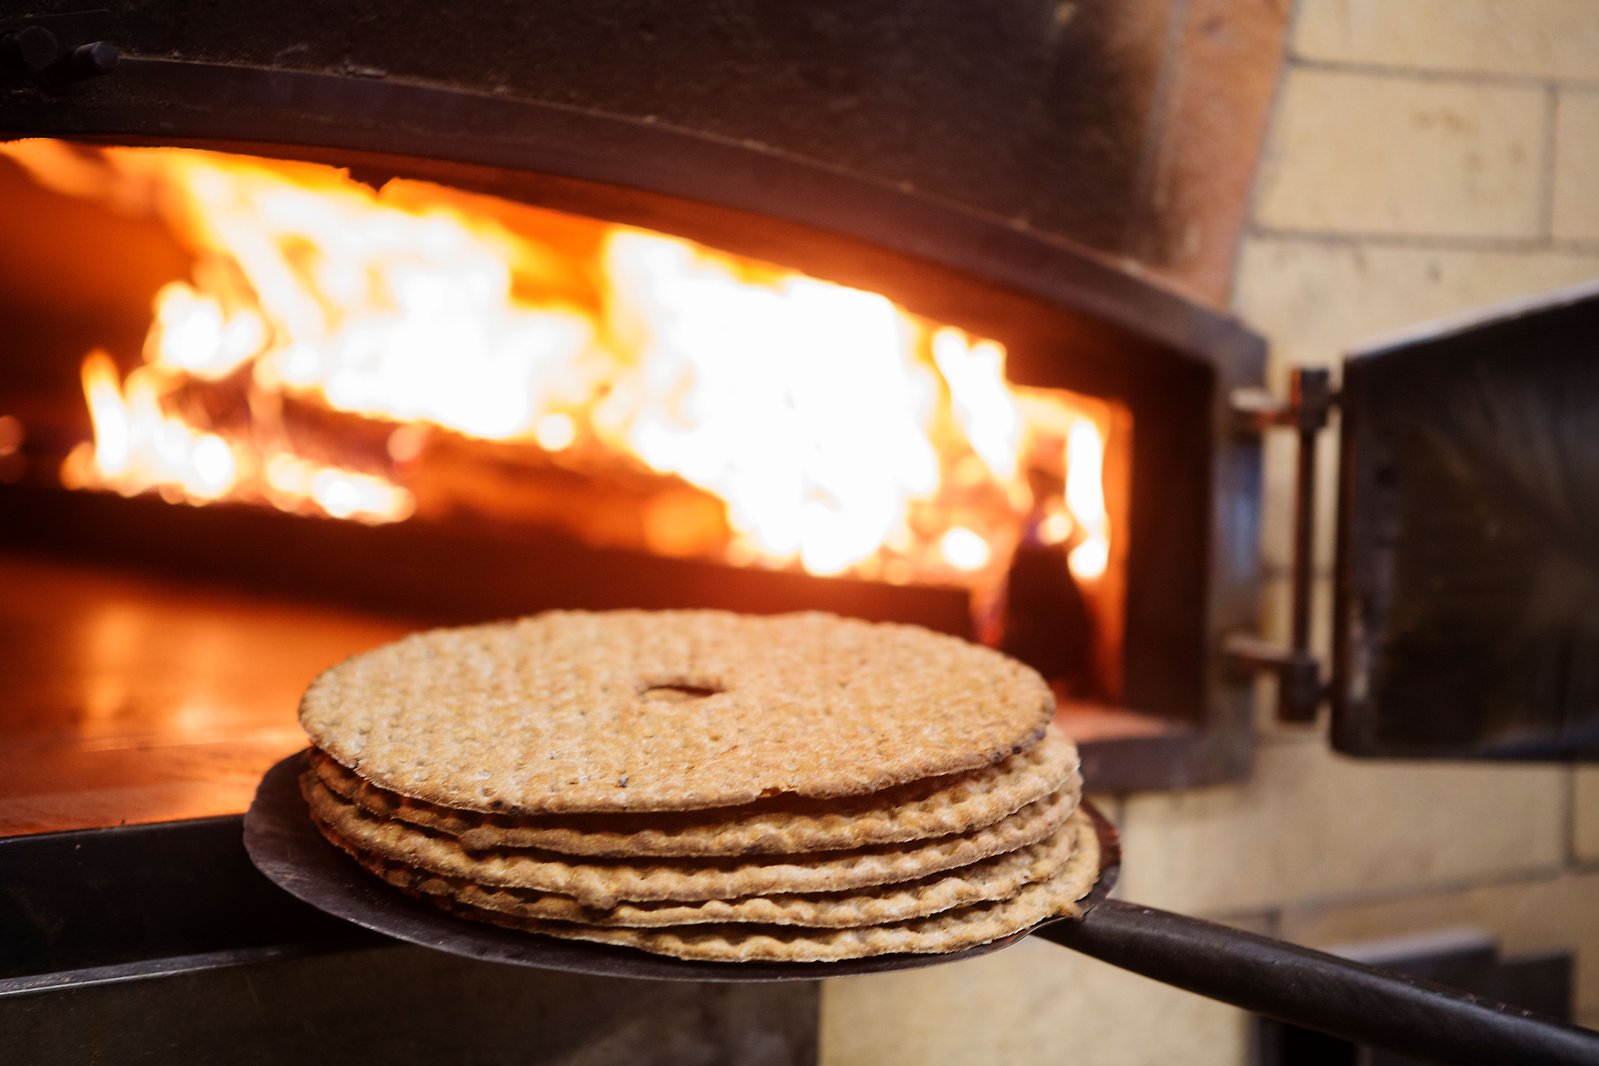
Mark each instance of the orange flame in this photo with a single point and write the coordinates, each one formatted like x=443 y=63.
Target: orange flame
x=137 y=446
x=843 y=434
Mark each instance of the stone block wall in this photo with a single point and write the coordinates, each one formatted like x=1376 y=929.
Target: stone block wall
x=1425 y=158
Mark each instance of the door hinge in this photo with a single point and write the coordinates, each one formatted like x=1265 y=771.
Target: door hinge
x=56 y=50
x=1301 y=685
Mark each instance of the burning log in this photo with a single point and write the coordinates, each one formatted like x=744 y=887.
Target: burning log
x=456 y=478
x=505 y=484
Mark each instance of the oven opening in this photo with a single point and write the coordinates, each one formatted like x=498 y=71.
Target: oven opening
x=275 y=336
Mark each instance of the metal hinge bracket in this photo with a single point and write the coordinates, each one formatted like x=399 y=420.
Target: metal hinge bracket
x=1300 y=682
x=56 y=50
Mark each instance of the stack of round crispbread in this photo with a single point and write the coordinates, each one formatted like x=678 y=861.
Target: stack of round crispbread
x=706 y=785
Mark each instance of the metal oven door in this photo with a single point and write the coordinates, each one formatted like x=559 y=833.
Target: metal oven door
x=1467 y=597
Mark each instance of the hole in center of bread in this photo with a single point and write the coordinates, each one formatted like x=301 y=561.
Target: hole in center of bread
x=679 y=693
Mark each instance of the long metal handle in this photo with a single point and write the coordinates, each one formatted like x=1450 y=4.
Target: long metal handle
x=1309 y=988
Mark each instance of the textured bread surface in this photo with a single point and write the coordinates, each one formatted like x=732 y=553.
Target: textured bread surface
x=993 y=878
x=585 y=711
x=933 y=807
x=951 y=930
x=602 y=884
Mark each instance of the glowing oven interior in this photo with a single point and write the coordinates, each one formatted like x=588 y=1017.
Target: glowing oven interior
x=280 y=335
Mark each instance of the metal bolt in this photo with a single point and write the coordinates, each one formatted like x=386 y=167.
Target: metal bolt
x=91 y=61
x=31 y=48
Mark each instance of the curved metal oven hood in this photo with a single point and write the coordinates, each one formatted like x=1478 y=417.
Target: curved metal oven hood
x=1039 y=112
x=285 y=112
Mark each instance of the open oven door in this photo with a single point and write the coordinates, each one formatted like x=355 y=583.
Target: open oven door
x=1467 y=599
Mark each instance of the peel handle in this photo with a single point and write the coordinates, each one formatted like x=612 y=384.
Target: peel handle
x=1367 y=1005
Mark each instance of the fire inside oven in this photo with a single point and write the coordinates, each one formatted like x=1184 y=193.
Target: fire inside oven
x=280 y=335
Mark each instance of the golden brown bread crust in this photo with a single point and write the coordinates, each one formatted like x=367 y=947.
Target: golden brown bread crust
x=994 y=878
x=948 y=931
x=567 y=711
x=934 y=807
x=602 y=884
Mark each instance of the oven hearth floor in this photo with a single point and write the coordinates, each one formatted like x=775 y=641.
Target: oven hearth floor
x=131 y=699
x=134 y=697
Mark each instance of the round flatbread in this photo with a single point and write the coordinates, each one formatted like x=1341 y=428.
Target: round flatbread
x=993 y=878
x=603 y=884
x=670 y=710
x=948 y=931
x=933 y=807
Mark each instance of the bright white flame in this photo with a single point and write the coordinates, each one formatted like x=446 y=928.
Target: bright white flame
x=841 y=433
x=192 y=332
x=555 y=432
x=387 y=310
x=798 y=403
x=137 y=445
x=964 y=549
x=982 y=401
x=336 y=492
x=214 y=469
x=1085 y=495
x=112 y=439
x=1055 y=528
x=1089 y=559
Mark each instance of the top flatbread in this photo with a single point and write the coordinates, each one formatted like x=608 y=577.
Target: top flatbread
x=581 y=711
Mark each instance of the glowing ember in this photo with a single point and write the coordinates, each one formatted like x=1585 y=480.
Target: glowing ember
x=841 y=433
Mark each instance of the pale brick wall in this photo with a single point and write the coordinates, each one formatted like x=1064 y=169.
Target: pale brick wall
x=1426 y=157
x=1585 y=816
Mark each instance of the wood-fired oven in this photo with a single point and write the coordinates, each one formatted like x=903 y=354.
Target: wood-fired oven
x=324 y=324
x=849 y=219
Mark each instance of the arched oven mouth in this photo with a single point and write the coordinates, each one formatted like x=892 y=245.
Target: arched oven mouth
x=1128 y=639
